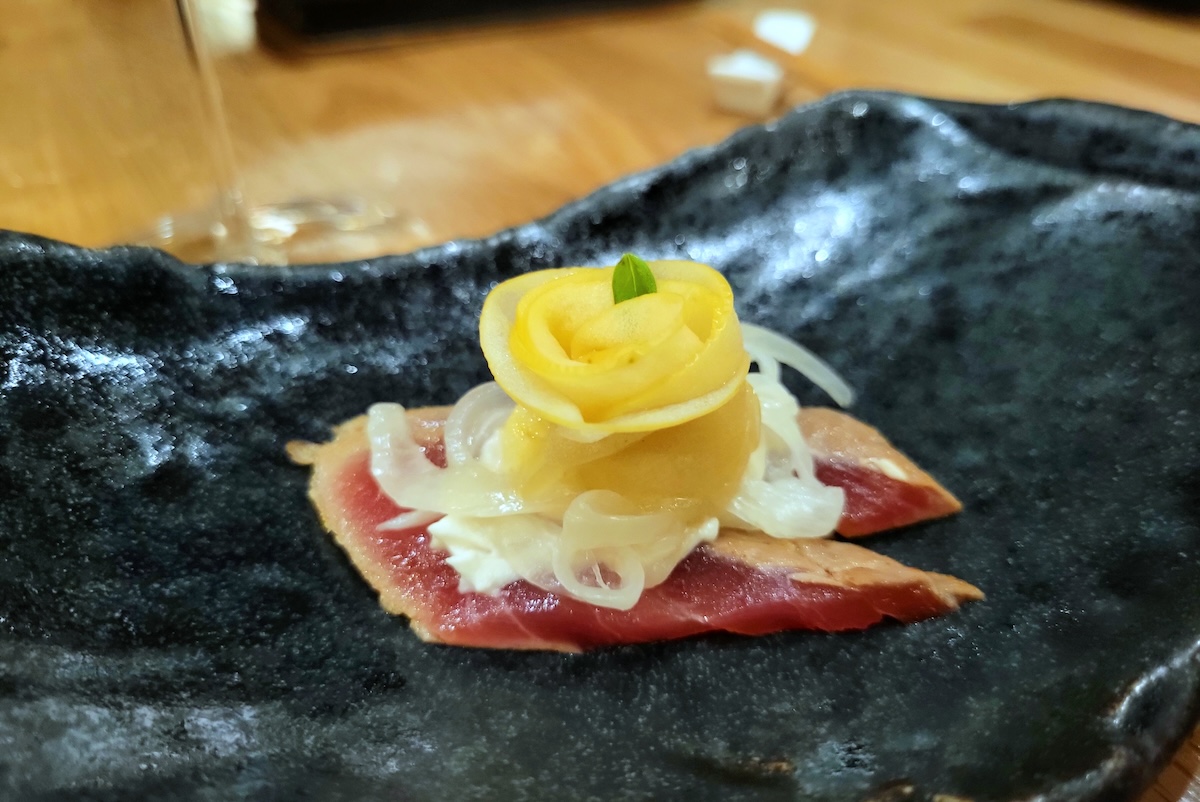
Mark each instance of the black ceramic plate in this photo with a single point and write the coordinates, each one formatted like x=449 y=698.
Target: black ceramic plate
x=1013 y=292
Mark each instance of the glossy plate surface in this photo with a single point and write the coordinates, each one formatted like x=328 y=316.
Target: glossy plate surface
x=1014 y=292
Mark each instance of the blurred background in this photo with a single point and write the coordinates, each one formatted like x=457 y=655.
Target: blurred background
x=385 y=125
x=458 y=118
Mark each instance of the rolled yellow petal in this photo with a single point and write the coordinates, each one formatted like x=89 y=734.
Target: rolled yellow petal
x=558 y=345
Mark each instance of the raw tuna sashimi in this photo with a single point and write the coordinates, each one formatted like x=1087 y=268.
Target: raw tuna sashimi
x=743 y=582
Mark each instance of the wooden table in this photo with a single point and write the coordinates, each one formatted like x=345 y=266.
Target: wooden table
x=101 y=124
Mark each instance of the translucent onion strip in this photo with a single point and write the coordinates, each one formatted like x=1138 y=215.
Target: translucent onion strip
x=413 y=482
x=780 y=494
x=476 y=417
x=780 y=419
x=786 y=508
x=767 y=344
x=396 y=459
x=410 y=520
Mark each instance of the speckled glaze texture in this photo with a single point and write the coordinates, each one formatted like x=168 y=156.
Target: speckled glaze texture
x=1013 y=291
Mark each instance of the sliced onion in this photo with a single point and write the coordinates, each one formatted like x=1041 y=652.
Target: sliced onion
x=782 y=429
x=599 y=535
x=624 y=562
x=768 y=365
x=409 y=520
x=600 y=530
x=600 y=519
x=780 y=494
x=786 y=508
x=396 y=459
x=476 y=417
x=767 y=344
x=412 y=481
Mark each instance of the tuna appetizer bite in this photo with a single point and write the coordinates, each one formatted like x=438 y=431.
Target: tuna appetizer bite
x=627 y=478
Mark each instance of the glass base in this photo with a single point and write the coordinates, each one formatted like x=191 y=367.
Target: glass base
x=296 y=232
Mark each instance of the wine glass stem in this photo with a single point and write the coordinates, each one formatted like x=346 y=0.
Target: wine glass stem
x=233 y=217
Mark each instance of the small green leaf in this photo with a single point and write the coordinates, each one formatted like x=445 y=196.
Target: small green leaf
x=631 y=278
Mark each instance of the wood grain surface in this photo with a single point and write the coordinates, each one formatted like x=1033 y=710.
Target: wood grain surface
x=465 y=132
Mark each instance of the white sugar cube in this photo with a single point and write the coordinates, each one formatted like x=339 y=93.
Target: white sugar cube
x=745 y=82
x=790 y=31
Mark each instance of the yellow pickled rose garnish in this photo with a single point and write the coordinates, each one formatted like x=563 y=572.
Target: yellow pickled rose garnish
x=696 y=465
x=561 y=348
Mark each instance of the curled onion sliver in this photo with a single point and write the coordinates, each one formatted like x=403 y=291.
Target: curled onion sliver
x=769 y=344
